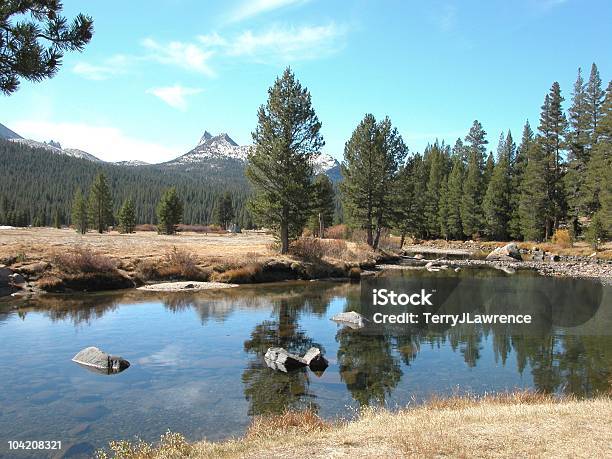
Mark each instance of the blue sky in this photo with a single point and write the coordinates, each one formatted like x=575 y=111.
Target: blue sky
x=158 y=73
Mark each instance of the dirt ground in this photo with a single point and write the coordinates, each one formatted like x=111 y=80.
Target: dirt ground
x=35 y=244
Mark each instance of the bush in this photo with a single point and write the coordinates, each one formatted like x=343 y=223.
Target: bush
x=145 y=227
x=180 y=264
x=84 y=260
x=337 y=232
x=562 y=238
x=202 y=229
x=595 y=232
x=243 y=275
x=307 y=248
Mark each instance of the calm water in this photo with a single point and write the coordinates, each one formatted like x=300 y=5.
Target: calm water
x=197 y=359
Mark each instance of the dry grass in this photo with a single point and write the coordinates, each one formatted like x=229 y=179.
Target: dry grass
x=562 y=238
x=337 y=232
x=511 y=425
x=178 y=264
x=241 y=275
x=84 y=260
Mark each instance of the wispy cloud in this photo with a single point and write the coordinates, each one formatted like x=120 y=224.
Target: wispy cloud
x=251 y=8
x=115 y=65
x=106 y=142
x=280 y=43
x=188 y=56
x=175 y=96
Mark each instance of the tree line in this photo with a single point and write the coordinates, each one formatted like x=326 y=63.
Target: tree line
x=558 y=176
x=37 y=188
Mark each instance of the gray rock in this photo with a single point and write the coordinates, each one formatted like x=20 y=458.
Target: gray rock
x=315 y=360
x=279 y=357
x=352 y=319
x=509 y=252
x=101 y=362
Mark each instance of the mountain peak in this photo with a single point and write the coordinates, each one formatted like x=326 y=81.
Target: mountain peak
x=226 y=138
x=206 y=137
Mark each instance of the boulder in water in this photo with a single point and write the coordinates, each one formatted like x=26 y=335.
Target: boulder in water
x=279 y=357
x=509 y=252
x=98 y=361
x=352 y=319
x=315 y=360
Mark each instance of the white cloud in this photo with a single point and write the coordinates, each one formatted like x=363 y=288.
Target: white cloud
x=280 y=44
x=250 y=8
x=106 y=142
x=188 y=56
x=175 y=96
x=112 y=66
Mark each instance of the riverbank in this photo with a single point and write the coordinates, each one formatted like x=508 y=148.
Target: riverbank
x=38 y=260
x=515 y=425
x=547 y=259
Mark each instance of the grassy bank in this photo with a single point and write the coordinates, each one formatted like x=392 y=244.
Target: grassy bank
x=513 y=425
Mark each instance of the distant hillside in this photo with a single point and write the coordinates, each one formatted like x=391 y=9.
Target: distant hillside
x=33 y=183
x=6 y=133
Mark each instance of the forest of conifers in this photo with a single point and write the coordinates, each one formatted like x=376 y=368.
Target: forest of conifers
x=559 y=174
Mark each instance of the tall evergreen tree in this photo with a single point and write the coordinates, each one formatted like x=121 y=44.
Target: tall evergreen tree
x=408 y=202
x=552 y=129
x=578 y=143
x=496 y=203
x=224 y=213
x=534 y=196
x=372 y=158
x=601 y=158
x=436 y=156
x=471 y=210
x=169 y=212
x=443 y=209
x=488 y=171
x=80 y=217
x=324 y=207
x=280 y=167
x=517 y=168
x=100 y=204
x=594 y=99
x=454 y=198
x=127 y=217
x=57 y=220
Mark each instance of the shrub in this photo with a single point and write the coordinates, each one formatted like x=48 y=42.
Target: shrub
x=595 y=232
x=305 y=422
x=307 y=248
x=562 y=238
x=337 y=232
x=202 y=229
x=84 y=260
x=242 y=275
x=181 y=264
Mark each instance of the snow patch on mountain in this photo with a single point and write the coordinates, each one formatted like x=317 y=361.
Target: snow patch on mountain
x=131 y=163
x=222 y=146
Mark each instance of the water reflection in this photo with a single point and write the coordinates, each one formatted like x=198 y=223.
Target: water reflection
x=567 y=350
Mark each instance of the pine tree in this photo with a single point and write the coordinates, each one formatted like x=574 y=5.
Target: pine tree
x=169 y=212
x=517 y=168
x=407 y=207
x=224 y=213
x=454 y=198
x=287 y=139
x=443 y=208
x=534 y=196
x=372 y=159
x=324 y=207
x=496 y=203
x=34 y=39
x=100 y=204
x=80 y=219
x=488 y=171
x=601 y=157
x=127 y=217
x=471 y=204
x=436 y=156
x=552 y=128
x=579 y=153
x=594 y=99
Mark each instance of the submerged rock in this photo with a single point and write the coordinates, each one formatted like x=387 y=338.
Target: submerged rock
x=352 y=319
x=315 y=360
x=96 y=360
x=280 y=359
x=509 y=252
